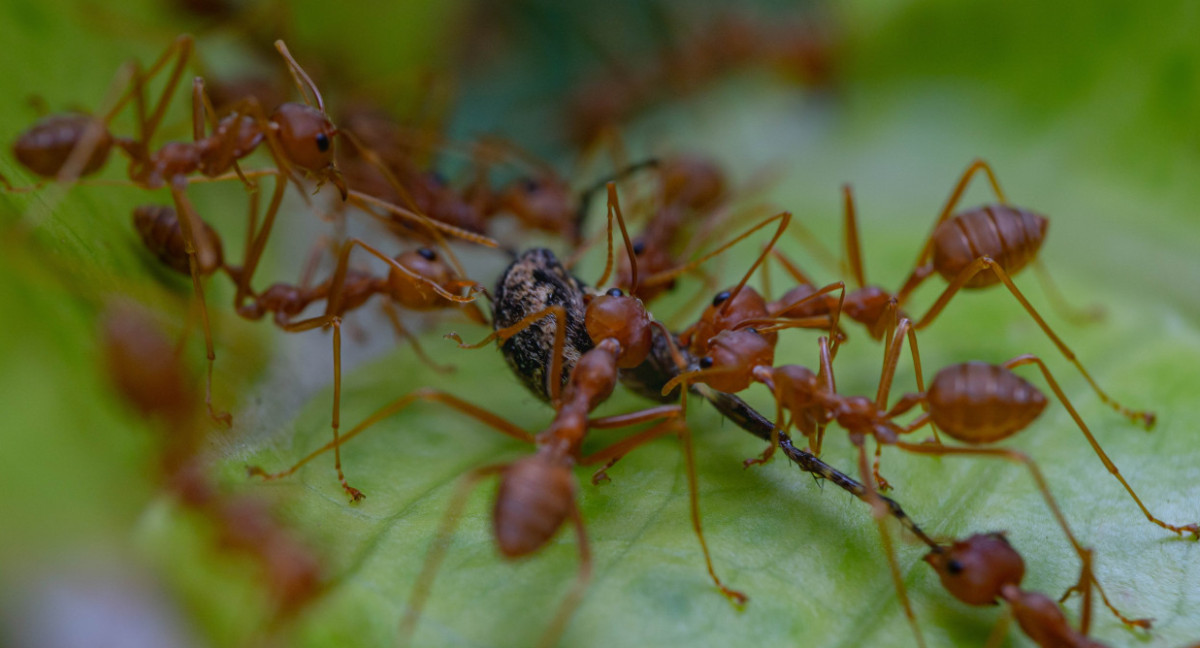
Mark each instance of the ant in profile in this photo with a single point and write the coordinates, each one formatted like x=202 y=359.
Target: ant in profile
x=536 y=496
x=985 y=568
x=416 y=280
x=975 y=403
x=297 y=135
x=974 y=249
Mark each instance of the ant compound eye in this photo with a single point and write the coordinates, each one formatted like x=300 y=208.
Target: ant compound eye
x=706 y=362
x=322 y=142
x=532 y=185
x=427 y=254
x=954 y=567
x=720 y=298
x=615 y=292
x=639 y=247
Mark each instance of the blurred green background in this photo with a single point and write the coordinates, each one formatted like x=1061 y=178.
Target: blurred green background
x=1087 y=110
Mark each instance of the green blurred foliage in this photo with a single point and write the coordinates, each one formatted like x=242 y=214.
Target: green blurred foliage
x=1087 y=111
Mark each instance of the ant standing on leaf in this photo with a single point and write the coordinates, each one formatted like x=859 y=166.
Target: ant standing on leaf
x=974 y=249
x=536 y=496
x=297 y=135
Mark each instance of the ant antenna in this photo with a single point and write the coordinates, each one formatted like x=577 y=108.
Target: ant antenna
x=300 y=77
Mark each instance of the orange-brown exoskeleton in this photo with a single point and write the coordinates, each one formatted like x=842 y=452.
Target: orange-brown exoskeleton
x=974 y=402
x=985 y=569
x=536 y=496
x=974 y=249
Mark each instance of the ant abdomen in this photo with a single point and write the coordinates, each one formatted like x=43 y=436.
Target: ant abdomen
x=158 y=226
x=45 y=147
x=534 y=499
x=976 y=402
x=1009 y=235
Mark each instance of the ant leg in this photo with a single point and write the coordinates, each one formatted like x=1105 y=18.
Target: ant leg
x=615 y=452
x=200 y=253
x=390 y=311
x=1074 y=315
x=1042 y=486
x=779 y=428
x=181 y=50
x=374 y=160
x=437 y=551
x=554 y=377
x=878 y=512
x=1193 y=529
x=575 y=596
x=424 y=395
x=850 y=232
x=667 y=275
x=1143 y=417
x=614 y=206
x=891 y=357
x=366 y=202
x=258 y=242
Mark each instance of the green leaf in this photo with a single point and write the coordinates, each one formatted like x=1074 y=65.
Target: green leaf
x=1087 y=116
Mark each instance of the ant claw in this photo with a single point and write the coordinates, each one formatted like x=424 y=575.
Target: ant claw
x=355 y=494
x=1142 y=623
x=600 y=478
x=882 y=484
x=255 y=471
x=223 y=419
x=738 y=599
x=757 y=461
x=1148 y=420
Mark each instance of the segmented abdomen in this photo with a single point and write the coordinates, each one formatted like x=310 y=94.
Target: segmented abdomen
x=977 y=402
x=1009 y=235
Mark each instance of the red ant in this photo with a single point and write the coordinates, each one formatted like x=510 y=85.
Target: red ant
x=296 y=134
x=416 y=280
x=536 y=496
x=145 y=369
x=973 y=402
x=985 y=568
x=974 y=249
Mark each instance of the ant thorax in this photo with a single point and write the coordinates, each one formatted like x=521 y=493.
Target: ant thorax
x=535 y=281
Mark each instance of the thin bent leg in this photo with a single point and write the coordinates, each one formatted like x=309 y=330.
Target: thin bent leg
x=437 y=551
x=672 y=425
x=1193 y=529
x=389 y=310
x=1143 y=417
x=424 y=394
x=1040 y=481
x=198 y=247
x=1073 y=314
x=878 y=512
x=554 y=377
x=573 y=598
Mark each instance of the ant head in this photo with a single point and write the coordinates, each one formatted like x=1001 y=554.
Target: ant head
x=306 y=136
x=724 y=313
x=412 y=292
x=622 y=318
x=976 y=569
x=732 y=356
